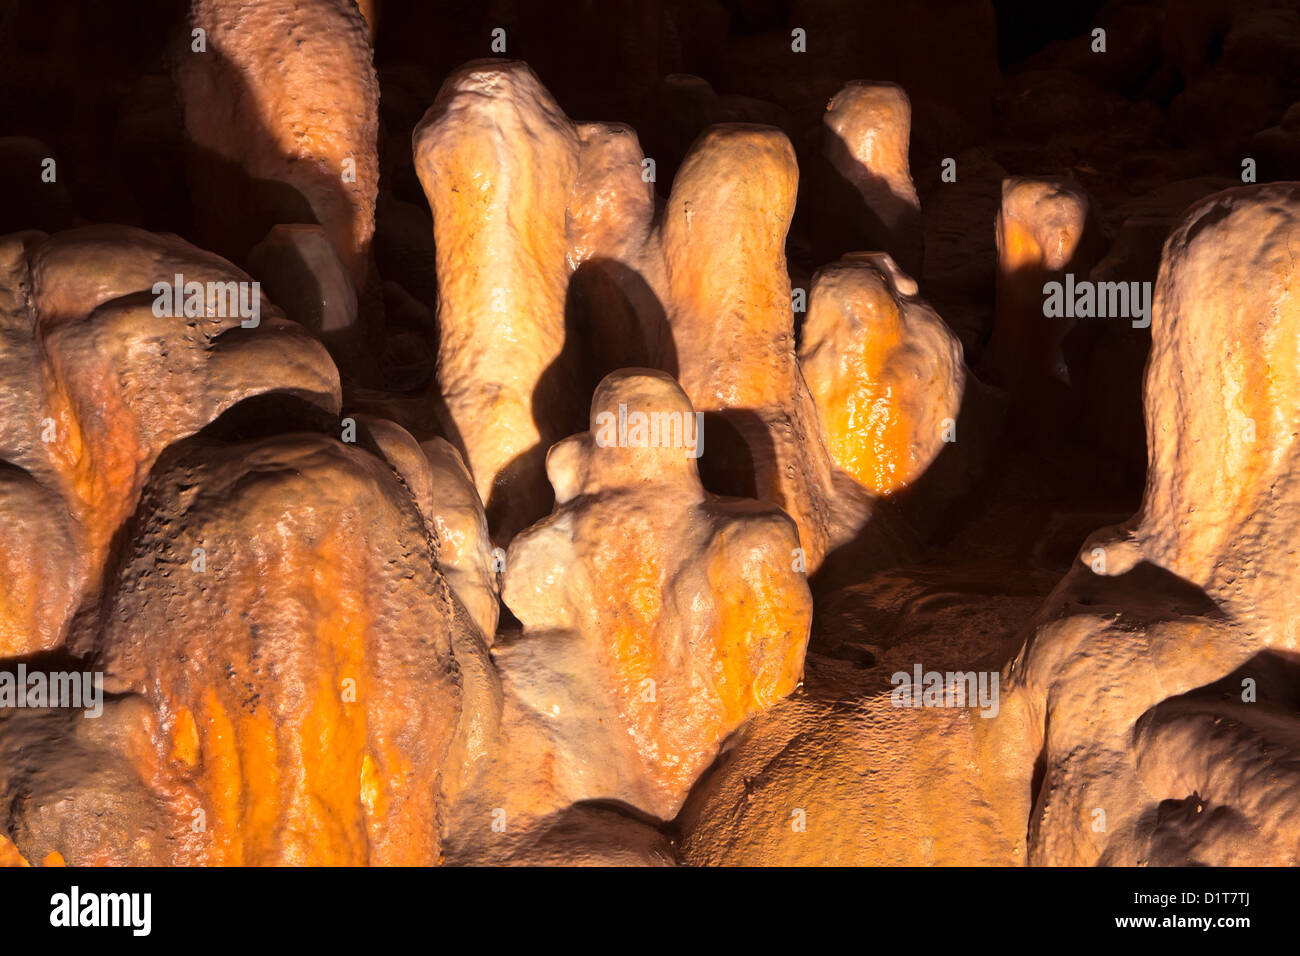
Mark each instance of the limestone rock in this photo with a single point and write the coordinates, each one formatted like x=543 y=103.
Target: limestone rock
x=282 y=111
x=885 y=372
x=838 y=774
x=865 y=138
x=465 y=552
x=812 y=783
x=565 y=213
x=656 y=617
x=1106 y=359
x=723 y=240
x=582 y=835
x=613 y=307
x=1137 y=672
x=304 y=276
x=437 y=479
x=1045 y=229
x=113 y=382
x=497 y=158
x=1223 y=771
x=296 y=691
x=9 y=855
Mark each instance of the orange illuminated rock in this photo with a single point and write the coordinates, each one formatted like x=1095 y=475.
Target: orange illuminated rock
x=453 y=515
x=9 y=855
x=290 y=652
x=815 y=782
x=282 y=111
x=566 y=214
x=1161 y=675
x=613 y=302
x=1044 y=231
x=441 y=486
x=126 y=365
x=729 y=305
x=865 y=137
x=885 y=372
x=42 y=563
x=43 y=567
x=465 y=552
x=497 y=158
x=847 y=772
x=370 y=9
x=656 y=617
x=612 y=208
x=592 y=834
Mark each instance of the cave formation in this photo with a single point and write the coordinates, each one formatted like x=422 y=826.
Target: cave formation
x=353 y=505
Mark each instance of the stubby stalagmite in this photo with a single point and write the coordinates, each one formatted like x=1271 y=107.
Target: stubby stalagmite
x=885 y=372
x=865 y=137
x=818 y=782
x=1160 y=675
x=303 y=710
x=655 y=282
x=1045 y=229
x=656 y=618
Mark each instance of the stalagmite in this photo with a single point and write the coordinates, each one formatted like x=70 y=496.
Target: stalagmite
x=282 y=111
x=566 y=459
x=885 y=372
x=301 y=715
x=1166 y=645
x=581 y=242
x=613 y=307
x=1044 y=231
x=119 y=374
x=303 y=275
x=729 y=305
x=859 y=783
x=656 y=617
x=497 y=159
x=865 y=138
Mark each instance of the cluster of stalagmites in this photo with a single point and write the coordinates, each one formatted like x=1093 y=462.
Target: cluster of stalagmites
x=295 y=605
